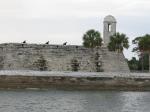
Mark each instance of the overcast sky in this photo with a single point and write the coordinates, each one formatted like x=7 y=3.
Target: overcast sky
x=38 y=21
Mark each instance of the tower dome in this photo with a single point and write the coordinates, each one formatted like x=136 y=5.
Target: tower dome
x=110 y=18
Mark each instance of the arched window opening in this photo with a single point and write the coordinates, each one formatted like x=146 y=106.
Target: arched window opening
x=109 y=28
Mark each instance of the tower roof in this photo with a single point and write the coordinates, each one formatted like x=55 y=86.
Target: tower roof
x=110 y=18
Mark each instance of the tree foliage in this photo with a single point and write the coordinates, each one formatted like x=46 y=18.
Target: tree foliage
x=140 y=64
x=92 y=39
x=118 y=42
x=142 y=45
x=133 y=64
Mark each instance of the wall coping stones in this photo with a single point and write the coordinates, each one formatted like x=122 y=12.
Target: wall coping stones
x=73 y=74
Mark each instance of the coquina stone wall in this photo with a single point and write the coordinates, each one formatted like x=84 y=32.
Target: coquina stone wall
x=16 y=56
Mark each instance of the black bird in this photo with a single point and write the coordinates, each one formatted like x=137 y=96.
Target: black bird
x=47 y=42
x=24 y=42
x=65 y=43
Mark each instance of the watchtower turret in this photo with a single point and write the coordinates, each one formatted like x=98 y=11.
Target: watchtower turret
x=109 y=28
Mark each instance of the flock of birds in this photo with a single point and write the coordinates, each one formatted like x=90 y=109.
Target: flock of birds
x=65 y=43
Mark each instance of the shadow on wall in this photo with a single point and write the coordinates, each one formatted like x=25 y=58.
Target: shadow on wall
x=1 y=62
x=41 y=64
x=98 y=63
x=75 y=65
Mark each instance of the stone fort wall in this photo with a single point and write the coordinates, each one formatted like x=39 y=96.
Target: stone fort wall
x=15 y=56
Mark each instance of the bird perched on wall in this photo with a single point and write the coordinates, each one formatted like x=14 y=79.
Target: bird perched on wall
x=65 y=43
x=24 y=42
x=47 y=42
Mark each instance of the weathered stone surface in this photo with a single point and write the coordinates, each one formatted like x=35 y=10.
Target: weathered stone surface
x=15 y=56
x=109 y=28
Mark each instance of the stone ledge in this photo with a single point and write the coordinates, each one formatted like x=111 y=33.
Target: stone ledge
x=73 y=74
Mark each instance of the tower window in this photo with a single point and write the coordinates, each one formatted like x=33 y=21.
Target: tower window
x=109 y=28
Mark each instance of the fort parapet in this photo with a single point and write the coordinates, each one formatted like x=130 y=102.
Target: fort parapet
x=16 y=56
